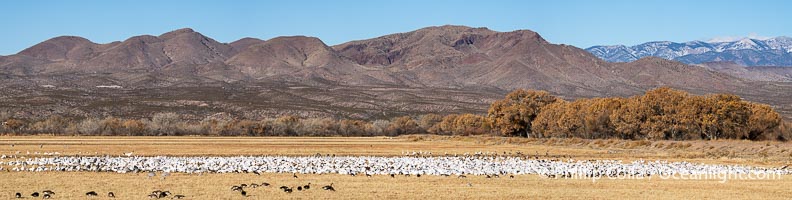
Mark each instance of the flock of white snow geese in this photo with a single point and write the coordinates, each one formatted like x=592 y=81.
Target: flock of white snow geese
x=488 y=164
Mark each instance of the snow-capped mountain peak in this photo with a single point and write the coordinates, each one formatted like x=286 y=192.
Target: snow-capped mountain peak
x=749 y=51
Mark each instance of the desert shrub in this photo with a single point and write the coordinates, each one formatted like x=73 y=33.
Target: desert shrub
x=513 y=115
x=378 y=127
x=427 y=121
x=445 y=126
x=470 y=124
x=318 y=127
x=51 y=125
x=163 y=123
x=134 y=127
x=403 y=125
x=90 y=126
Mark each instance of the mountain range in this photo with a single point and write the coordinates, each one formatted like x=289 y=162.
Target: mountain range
x=442 y=69
x=748 y=52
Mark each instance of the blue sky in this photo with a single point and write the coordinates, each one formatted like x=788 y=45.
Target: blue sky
x=581 y=23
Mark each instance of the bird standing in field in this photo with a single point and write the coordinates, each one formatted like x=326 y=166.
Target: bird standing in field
x=111 y=195
x=35 y=194
x=18 y=195
x=164 y=194
x=329 y=187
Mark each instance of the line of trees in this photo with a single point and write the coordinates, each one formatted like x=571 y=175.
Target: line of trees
x=660 y=114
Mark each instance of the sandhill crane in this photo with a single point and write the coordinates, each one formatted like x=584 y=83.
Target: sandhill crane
x=111 y=195
x=18 y=195
x=46 y=196
x=35 y=194
x=165 y=174
x=329 y=187
x=287 y=190
x=91 y=193
x=153 y=196
x=164 y=194
x=392 y=176
x=299 y=188
x=253 y=185
x=265 y=184
x=243 y=193
x=179 y=196
x=307 y=186
x=236 y=188
x=48 y=192
x=256 y=173
x=283 y=187
x=294 y=175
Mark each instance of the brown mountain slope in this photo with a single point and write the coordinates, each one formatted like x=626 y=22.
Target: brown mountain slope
x=62 y=48
x=457 y=60
x=780 y=74
x=440 y=57
x=244 y=43
x=457 y=56
x=180 y=47
x=653 y=72
x=283 y=55
x=185 y=46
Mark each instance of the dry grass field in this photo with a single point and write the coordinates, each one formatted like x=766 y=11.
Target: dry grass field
x=72 y=185
x=216 y=186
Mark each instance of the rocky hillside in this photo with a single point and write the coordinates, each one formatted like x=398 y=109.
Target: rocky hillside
x=434 y=69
